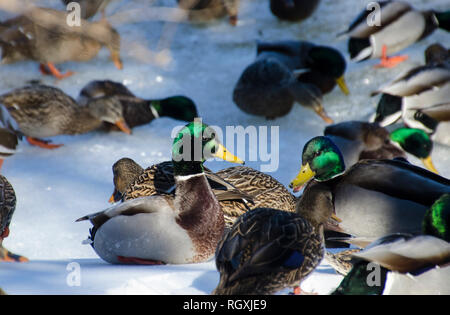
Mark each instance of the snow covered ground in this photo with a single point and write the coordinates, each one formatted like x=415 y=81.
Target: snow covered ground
x=54 y=188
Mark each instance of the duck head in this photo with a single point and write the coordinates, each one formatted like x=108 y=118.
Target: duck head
x=177 y=107
x=416 y=142
x=195 y=144
x=110 y=110
x=437 y=219
x=329 y=62
x=321 y=160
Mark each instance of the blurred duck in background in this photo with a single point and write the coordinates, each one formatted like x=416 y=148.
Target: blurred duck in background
x=286 y=72
x=207 y=10
x=394 y=27
x=138 y=111
x=43 y=35
x=293 y=10
x=42 y=111
x=420 y=96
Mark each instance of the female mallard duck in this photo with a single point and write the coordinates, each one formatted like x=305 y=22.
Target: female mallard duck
x=238 y=189
x=414 y=96
x=267 y=250
x=358 y=140
x=287 y=72
x=395 y=26
x=293 y=10
x=89 y=8
x=207 y=10
x=7 y=207
x=407 y=264
x=174 y=229
x=138 y=111
x=43 y=111
x=44 y=36
x=374 y=197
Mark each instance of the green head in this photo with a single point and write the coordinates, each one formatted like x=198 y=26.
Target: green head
x=437 y=219
x=416 y=142
x=356 y=281
x=195 y=144
x=176 y=107
x=321 y=160
x=329 y=62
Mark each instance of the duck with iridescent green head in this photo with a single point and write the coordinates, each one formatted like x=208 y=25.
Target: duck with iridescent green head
x=138 y=111
x=407 y=264
x=373 y=198
x=170 y=229
x=359 y=140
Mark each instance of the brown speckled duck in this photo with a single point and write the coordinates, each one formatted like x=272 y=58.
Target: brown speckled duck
x=238 y=189
x=43 y=35
x=42 y=111
x=267 y=250
x=206 y=10
x=7 y=207
x=170 y=229
x=138 y=111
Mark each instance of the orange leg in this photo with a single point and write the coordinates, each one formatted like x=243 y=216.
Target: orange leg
x=56 y=73
x=44 y=70
x=390 y=62
x=138 y=261
x=43 y=144
x=1 y=163
x=7 y=256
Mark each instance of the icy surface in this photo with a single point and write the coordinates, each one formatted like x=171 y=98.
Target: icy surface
x=54 y=188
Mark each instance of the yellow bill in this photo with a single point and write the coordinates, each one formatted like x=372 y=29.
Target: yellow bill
x=429 y=164
x=224 y=154
x=302 y=178
x=342 y=85
x=323 y=114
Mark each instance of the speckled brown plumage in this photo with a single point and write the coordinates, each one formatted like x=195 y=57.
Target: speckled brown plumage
x=7 y=203
x=43 y=111
x=264 y=189
x=341 y=261
x=206 y=10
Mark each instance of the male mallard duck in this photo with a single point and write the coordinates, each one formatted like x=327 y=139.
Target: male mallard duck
x=138 y=111
x=358 y=140
x=287 y=72
x=267 y=250
x=7 y=207
x=175 y=229
x=43 y=111
x=89 y=8
x=409 y=264
x=44 y=36
x=238 y=189
x=374 y=197
x=394 y=27
x=206 y=10
x=293 y=10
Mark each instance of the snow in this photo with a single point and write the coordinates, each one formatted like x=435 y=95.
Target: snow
x=54 y=188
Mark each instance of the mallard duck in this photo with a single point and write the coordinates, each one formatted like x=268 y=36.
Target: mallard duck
x=42 y=111
x=286 y=72
x=412 y=93
x=172 y=229
x=358 y=140
x=9 y=135
x=89 y=8
x=408 y=264
x=7 y=207
x=207 y=10
x=267 y=250
x=238 y=189
x=373 y=198
x=138 y=111
x=293 y=10
x=395 y=26
x=44 y=36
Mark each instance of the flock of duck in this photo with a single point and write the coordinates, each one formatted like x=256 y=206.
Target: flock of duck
x=359 y=188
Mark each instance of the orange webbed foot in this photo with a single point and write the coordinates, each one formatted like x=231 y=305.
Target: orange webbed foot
x=43 y=144
x=7 y=256
x=56 y=73
x=390 y=62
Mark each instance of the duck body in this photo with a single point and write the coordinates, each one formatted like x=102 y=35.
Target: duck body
x=9 y=134
x=293 y=10
x=396 y=17
x=268 y=87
